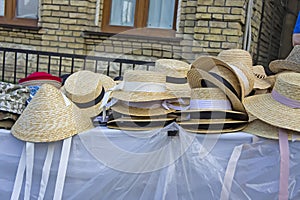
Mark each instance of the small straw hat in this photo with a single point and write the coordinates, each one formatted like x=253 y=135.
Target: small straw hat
x=281 y=107
x=155 y=108
x=291 y=63
x=141 y=86
x=197 y=77
x=87 y=89
x=40 y=78
x=50 y=117
x=262 y=129
x=138 y=123
x=176 y=72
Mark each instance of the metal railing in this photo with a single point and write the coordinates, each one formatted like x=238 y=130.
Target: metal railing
x=58 y=63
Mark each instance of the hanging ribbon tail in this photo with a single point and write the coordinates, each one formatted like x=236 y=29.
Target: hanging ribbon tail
x=62 y=168
x=67 y=101
x=108 y=94
x=29 y=168
x=105 y=99
x=169 y=106
x=19 y=176
x=230 y=171
x=46 y=171
x=284 y=165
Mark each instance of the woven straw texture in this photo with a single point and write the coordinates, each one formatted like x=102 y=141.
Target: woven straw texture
x=179 y=90
x=211 y=121
x=260 y=81
x=196 y=75
x=267 y=109
x=85 y=86
x=214 y=128
x=142 y=76
x=133 y=111
x=262 y=129
x=172 y=68
x=291 y=63
x=50 y=118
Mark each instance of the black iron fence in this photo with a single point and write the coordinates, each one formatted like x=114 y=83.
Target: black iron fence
x=18 y=63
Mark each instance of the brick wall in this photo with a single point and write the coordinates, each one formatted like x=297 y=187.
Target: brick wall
x=205 y=27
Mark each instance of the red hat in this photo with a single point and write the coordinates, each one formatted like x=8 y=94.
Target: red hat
x=39 y=78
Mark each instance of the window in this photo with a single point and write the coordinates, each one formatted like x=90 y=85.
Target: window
x=158 y=17
x=19 y=12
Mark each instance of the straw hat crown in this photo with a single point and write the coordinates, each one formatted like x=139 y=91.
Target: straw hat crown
x=141 y=86
x=172 y=68
x=208 y=94
x=50 y=117
x=281 y=107
x=291 y=63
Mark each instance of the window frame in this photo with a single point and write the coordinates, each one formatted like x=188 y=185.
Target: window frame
x=10 y=17
x=140 y=21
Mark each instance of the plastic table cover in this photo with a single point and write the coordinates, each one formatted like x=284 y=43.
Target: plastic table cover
x=113 y=164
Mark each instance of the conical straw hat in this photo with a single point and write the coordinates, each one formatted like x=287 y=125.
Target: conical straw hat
x=196 y=77
x=87 y=89
x=141 y=86
x=281 y=107
x=50 y=117
x=262 y=129
x=291 y=63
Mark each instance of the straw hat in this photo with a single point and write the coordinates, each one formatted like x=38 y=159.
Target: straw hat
x=40 y=78
x=149 y=108
x=291 y=63
x=197 y=78
x=138 y=123
x=279 y=108
x=262 y=129
x=141 y=86
x=176 y=72
x=86 y=89
x=50 y=117
x=261 y=81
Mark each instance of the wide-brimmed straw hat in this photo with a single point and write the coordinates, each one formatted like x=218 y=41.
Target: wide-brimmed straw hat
x=290 y=63
x=40 y=78
x=261 y=82
x=138 y=123
x=227 y=83
x=149 y=108
x=262 y=129
x=280 y=107
x=50 y=117
x=176 y=72
x=87 y=89
x=141 y=86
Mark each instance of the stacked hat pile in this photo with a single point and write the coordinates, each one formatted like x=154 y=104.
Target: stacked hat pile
x=139 y=102
x=219 y=85
x=278 y=110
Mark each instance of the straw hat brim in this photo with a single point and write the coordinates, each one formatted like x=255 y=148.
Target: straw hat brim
x=133 y=111
x=262 y=129
x=196 y=75
x=141 y=96
x=179 y=90
x=213 y=129
x=40 y=82
x=277 y=66
x=265 y=108
x=207 y=63
x=138 y=119
x=211 y=121
x=261 y=84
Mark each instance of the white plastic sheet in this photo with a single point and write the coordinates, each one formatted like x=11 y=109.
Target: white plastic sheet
x=113 y=164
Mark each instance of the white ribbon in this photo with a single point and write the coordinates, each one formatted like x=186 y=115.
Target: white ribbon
x=29 y=168
x=19 y=176
x=230 y=171
x=67 y=101
x=242 y=75
x=144 y=87
x=196 y=104
x=62 y=168
x=168 y=105
x=145 y=105
x=46 y=171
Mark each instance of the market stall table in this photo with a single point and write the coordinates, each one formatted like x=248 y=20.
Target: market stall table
x=113 y=164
